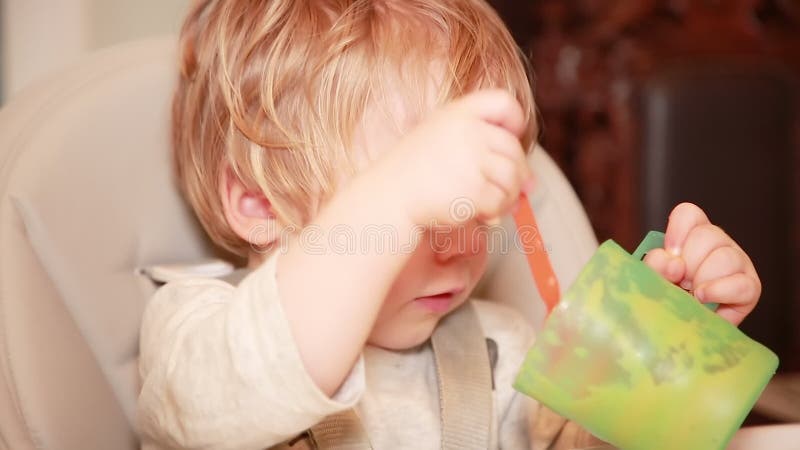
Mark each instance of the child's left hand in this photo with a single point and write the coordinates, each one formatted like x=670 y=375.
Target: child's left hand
x=701 y=258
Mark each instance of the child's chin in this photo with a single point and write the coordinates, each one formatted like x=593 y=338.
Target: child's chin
x=406 y=340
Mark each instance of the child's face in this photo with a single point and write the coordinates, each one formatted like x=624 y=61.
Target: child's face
x=441 y=272
x=438 y=278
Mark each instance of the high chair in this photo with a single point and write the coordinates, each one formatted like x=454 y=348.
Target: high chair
x=87 y=203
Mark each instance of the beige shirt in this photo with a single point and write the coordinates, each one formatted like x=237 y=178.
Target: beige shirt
x=220 y=370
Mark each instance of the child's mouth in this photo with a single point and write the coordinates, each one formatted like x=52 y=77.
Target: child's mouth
x=438 y=303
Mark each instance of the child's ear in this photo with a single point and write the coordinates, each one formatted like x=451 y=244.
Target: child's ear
x=247 y=211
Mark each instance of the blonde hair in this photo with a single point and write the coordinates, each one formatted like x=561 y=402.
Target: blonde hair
x=276 y=89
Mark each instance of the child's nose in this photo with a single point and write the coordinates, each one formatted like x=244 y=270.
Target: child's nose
x=457 y=242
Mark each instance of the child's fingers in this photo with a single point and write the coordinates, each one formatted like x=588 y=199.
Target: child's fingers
x=495 y=106
x=683 y=219
x=493 y=202
x=505 y=165
x=732 y=314
x=720 y=263
x=503 y=173
x=738 y=289
x=701 y=241
x=506 y=145
x=502 y=141
x=670 y=267
x=736 y=295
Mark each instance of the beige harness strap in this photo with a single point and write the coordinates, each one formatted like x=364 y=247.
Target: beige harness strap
x=465 y=381
x=342 y=431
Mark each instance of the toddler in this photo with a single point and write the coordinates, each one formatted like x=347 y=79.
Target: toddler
x=301 y=126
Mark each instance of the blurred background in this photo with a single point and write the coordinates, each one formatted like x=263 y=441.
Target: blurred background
x=644 y=103
x=647 y=103
x=39 y=36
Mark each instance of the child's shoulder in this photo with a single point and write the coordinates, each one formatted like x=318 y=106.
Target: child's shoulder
x=196 y=290
x=182 y=297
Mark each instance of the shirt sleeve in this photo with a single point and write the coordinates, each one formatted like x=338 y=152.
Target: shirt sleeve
x=220 y=368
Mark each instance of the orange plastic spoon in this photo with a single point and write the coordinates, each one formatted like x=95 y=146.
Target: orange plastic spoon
x=539 y=262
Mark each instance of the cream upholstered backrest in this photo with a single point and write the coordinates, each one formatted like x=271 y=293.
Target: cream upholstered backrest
x=86 y=200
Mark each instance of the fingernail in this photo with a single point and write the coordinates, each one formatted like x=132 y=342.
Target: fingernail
x=700 y=294
x=686 y=285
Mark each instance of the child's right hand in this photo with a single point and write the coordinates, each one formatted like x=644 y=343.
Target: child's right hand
x=468 y=151
x=464 y=161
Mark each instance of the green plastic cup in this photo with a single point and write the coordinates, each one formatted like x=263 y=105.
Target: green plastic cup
x=642 y=364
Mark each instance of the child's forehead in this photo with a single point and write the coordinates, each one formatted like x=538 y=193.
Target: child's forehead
x=405 y=95
x=397 y=105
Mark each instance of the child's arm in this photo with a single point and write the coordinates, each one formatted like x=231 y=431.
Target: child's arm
x=468 y=149
x=226 y=367
x=220 y=370
x=702 y=258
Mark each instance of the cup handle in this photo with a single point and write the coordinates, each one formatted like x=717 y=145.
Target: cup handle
x=653 y=240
